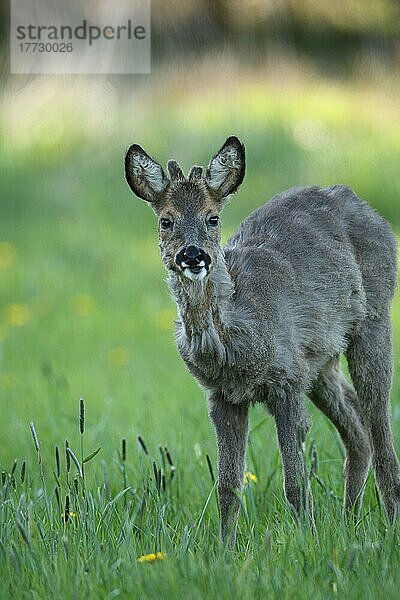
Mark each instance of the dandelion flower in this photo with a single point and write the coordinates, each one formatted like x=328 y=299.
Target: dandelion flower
x=248 y=476
x=151 y=557
x=118 y=357
x=18 y=315
x=71 y=515
x=82 y=304
x=165 y=319
x=8 y=381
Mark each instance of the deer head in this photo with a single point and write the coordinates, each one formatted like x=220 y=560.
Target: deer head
x=187 y=208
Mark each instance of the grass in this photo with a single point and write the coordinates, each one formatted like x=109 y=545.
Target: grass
x=97 y=531
x=84 y=312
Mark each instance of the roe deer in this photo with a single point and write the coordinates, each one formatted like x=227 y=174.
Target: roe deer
x=308 y=276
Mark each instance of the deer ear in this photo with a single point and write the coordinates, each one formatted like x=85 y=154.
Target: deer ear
x=144 y=175
x=225 y=171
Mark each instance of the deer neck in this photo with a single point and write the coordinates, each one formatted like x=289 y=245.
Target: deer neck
x=203 y=305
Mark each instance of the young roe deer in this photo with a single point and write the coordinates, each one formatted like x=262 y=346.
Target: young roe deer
x=308 y=276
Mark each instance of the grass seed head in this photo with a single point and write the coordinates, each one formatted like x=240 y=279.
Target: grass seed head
x=67 y=457
x=13 y=468
x=81 y=415
x=210 y=468
x=141 y=442
x=57 y=495
x=169 y=457
x=23 y=470
x=66 y=511
x=58 y=462
x=34 y=436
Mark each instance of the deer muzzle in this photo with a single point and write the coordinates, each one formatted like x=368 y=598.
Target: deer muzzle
x=193 y=261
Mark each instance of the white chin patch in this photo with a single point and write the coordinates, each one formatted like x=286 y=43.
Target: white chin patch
x=195 y=276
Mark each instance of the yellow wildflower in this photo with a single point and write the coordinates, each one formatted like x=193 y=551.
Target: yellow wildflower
x=8 y=254
x=165 y=319
x=151 y=557
x=71 y=515
x=9 y=381
x=18 y=315
x=248 y=476
x=82 y=304
x=119 y=356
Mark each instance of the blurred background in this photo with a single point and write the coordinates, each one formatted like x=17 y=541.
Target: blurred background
x=312 y=89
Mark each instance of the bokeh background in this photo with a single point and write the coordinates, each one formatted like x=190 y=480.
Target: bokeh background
x=311 y=87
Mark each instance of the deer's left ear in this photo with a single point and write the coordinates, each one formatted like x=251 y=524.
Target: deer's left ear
x=144 y=175
x=225 y=171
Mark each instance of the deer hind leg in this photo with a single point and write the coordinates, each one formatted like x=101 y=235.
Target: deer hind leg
x=370 y=359
x=337 y=400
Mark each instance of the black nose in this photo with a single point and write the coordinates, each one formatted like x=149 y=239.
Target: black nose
x=192 y=252
x=192 y=257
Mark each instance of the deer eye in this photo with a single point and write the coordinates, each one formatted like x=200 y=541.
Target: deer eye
x=166 y=223
x=213 y=221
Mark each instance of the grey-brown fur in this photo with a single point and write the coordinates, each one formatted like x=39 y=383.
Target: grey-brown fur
x=308 y=276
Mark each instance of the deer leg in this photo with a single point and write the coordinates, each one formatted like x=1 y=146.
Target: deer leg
x=337 y=400
x=292 y=427
x=370 y=359
x=231 y=427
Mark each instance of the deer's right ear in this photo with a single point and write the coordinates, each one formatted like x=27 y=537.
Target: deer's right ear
x=144 y=175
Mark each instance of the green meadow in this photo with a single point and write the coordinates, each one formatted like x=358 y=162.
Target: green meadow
x=85 y=312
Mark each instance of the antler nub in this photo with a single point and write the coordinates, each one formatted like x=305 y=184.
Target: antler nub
x=175 y=172
x=195 y=173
